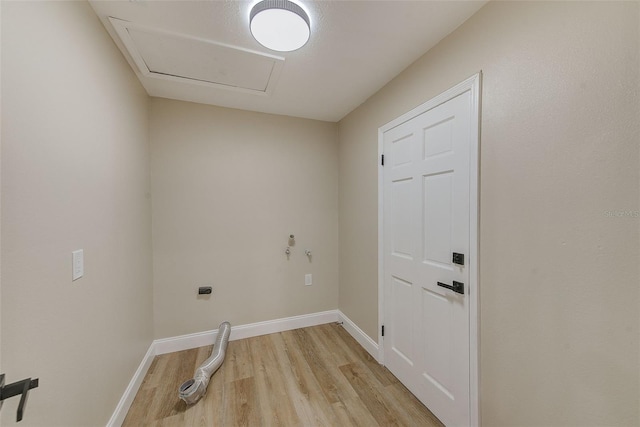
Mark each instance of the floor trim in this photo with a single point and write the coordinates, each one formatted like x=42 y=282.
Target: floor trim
x=201 y=339
x=132 y=389
x=358 y=334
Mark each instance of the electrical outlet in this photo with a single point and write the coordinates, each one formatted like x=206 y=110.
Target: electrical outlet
x=308 y=280
x=205 y=290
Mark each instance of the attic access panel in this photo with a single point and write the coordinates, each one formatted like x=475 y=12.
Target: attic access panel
x=192 y=60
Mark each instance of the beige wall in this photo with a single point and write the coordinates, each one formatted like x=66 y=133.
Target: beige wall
x=75 y=174
x=559 y=148
x=229 y=187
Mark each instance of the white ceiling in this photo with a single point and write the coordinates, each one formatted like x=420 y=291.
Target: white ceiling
x=356 y=47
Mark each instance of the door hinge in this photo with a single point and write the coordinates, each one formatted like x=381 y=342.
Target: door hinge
x=382 y=160
x=382 y=330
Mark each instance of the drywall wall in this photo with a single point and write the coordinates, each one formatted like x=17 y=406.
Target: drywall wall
x=229 y=187
x=559 y=161
x=75 y=175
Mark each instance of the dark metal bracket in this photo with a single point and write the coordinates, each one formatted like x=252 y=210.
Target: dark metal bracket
x=14 y=389
x=458 y=258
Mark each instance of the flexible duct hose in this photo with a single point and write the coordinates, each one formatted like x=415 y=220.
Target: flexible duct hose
x=192 y=390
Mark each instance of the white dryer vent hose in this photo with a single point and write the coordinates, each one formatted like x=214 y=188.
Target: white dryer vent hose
x=192 y=390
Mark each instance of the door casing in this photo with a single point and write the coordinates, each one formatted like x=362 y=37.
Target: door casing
x=473 y=85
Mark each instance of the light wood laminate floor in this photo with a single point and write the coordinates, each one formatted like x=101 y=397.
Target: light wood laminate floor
x=317 y=376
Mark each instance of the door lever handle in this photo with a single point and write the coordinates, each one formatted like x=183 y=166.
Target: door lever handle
x=457 y=287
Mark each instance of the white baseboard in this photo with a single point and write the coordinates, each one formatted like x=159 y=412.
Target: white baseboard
x=281 y=325
x=363 y=339
x=132 y=389
x=185 y=342
x=201 y=339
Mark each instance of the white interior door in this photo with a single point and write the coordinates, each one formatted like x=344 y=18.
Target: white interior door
x=426 y=220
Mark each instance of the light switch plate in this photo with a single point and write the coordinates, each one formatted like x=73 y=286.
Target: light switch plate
x=77 y=264
x=308 y=280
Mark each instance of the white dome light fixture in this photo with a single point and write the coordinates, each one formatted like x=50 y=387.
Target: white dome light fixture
x=279 y=25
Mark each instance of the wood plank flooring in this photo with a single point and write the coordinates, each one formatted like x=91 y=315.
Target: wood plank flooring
x=318 y=376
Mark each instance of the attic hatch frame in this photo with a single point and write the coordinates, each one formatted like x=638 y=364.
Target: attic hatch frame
x=122 y=28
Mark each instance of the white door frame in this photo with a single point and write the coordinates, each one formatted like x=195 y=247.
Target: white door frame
x=472 y=84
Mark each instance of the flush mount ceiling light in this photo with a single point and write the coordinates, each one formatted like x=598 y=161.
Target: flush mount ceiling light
x=280 y=25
